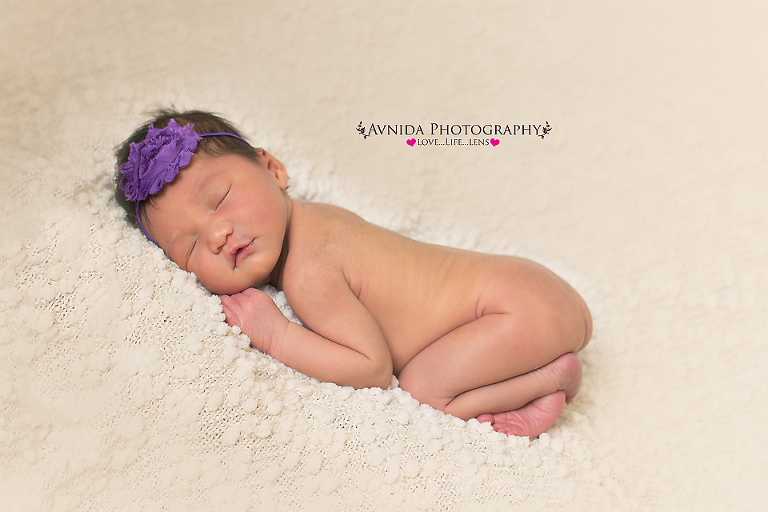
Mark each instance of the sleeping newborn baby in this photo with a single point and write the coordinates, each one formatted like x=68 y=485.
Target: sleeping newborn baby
x=474 y=335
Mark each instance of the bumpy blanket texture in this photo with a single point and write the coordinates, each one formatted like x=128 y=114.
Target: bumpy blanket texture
x=122 y=388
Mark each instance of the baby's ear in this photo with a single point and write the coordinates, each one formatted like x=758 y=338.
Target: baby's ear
x=274 y=166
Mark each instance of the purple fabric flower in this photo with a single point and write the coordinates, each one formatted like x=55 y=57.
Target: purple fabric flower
x=157 y=160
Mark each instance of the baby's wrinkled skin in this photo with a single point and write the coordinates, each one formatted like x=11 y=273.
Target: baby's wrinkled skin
x=471 y=334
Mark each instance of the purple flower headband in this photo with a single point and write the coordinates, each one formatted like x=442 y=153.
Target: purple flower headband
x=157 y=160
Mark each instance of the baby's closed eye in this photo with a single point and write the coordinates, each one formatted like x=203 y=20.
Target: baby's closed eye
x=223 y=197
x=189 y=253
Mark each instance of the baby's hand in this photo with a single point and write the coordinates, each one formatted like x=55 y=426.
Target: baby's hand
x=254 y=312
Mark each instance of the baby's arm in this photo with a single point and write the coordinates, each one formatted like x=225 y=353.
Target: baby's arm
x=352 y=352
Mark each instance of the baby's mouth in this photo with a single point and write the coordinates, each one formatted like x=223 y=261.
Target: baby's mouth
x=242 y=252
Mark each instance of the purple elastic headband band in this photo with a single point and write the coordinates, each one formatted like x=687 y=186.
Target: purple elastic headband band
x=157 y=160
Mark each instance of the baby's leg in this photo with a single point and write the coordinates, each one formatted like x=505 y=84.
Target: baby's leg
x=564 y=373
x=495 y=364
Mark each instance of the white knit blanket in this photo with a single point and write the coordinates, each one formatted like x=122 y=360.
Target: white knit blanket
x=122 y=388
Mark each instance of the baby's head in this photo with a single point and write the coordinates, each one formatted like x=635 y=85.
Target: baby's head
x=214 y=204
x=202 y=122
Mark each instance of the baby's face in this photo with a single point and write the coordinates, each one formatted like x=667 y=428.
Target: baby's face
x=224 y=219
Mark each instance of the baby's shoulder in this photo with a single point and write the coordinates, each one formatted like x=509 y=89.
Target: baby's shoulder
x=327 y=213
x=313 y=233
x=324 y=224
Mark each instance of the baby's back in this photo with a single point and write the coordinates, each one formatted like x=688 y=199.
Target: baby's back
x=417 y=292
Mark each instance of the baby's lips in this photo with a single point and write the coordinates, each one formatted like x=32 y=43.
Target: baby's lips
x=232 y=254
x=241 y=251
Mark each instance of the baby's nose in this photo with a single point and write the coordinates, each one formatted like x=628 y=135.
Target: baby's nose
x=217 y=235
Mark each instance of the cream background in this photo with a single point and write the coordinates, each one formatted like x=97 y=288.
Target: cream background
x=646 y=196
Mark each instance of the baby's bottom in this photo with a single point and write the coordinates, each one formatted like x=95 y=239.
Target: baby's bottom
x=495 y=370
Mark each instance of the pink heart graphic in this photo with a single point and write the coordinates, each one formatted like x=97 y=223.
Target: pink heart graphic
x=494 y=142
x=411 y=142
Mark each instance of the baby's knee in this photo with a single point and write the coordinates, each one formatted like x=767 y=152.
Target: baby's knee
x=422 y=389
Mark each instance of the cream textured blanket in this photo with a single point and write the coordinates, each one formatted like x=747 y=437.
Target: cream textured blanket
x=121 y=388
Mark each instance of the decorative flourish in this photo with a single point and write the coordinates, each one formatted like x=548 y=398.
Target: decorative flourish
x=157 y=160
x=361 y=130
x=545 y=129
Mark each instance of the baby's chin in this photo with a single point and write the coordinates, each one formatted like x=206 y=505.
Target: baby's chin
x=227 y=289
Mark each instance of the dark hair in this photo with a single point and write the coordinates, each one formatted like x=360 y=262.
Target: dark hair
x=202 y=122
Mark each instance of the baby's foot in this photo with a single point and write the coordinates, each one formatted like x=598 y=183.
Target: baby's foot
x=531 y=419
x=564 y=375
x=566 y=371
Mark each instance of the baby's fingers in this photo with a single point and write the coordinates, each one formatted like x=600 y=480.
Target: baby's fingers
x=232 y=310
x=251 y=292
